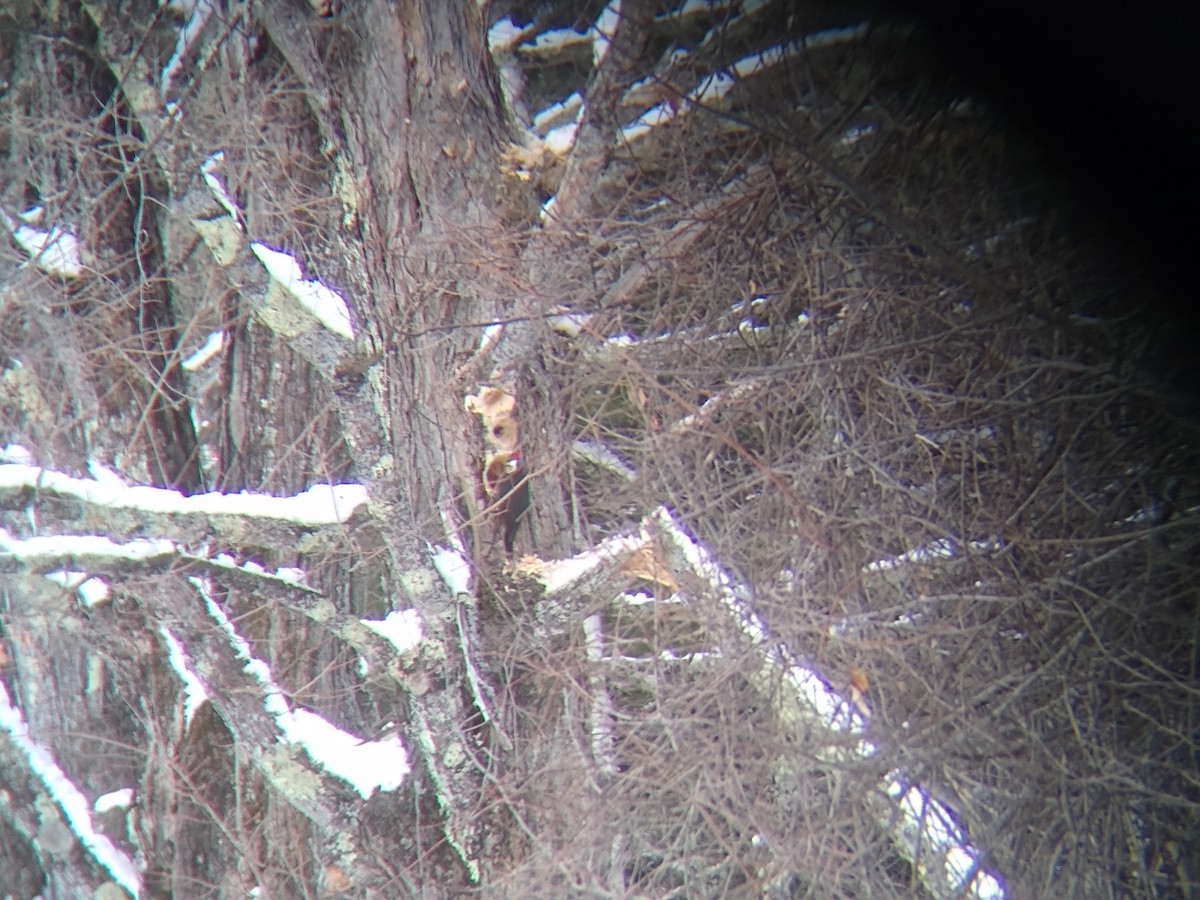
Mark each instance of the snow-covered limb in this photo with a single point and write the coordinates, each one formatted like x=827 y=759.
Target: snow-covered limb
x=933 y=838
x=454 y=569
x=556 y=114
x=714 y=405
x=599 y=455
x=55 y=252
x=70 y=801
x=400 y=627
x=367 y=766
x=603 y=30
x=588 y=571
x=604 y=743
x=321 y=504
x=90 y=590
x=457 y=827
x=932 y=552
x=552 y=42
x=481 y=692
x=209 y=169
x=326 y=305
x=713 y=88
x=211 y=348
x=198 y=12
x=194 y=691
x=922 y=824
x=79 y=550
x=118 y=799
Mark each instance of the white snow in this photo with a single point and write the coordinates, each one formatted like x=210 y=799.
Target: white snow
x=72 y=581
x=833 y=37
x=15 y=453
x=208 y=169
x=548 y=117
x=103 y=473
x=603 y=715
x=491 y=335
x=603 y=31
x=69 y=799
x=940 y=549
x=602 y=456
x=194 y=691
x=454 y=569
x=504 y=35
x=211 y=348
x=366 y=766
x=856 y=133
x=651 y=118
x=321 y=504
x=327 y=305
x=712 y=88
x=290 y=575
x=55 y=251
x=120 y=799
x=560 y=574
x=695 y=7
x=93 y=591
x=199 y=11
x=925 y=818
x=402 y=628
x=58 y=546
x=550 y=42
x=933 y=831
x=560 y=140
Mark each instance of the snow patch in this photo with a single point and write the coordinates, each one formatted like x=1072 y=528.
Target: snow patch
x=69 y=799
x=55 y=252
x=194 y=691
x=122 y=799
x=402 y=628
x=367 y=766
x=326 y=305
x=321 y=504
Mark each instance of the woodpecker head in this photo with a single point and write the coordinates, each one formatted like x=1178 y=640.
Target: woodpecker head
x=497 y=409
x=499 y=471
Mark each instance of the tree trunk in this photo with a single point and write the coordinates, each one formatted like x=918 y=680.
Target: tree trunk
x=860 y=557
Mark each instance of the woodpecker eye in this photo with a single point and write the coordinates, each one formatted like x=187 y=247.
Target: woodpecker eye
x=503 y=433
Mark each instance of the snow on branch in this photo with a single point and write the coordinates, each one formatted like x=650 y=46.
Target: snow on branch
x=949 y=864
x=68 y=799
x=367 y=766
x=80 y=549
x=194 y=690
x=604 y=742
x=602 y=457
x=55 y=252
x=713 y=88
x=198 y=12
x=326 y=305
x=321 y=504
x=209 y=169
x=602 y=31
x=926 y=826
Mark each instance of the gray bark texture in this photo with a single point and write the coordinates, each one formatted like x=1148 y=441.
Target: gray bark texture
x=852 y=466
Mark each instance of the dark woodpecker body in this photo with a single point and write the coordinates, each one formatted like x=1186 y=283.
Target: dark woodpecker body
x=509 y=487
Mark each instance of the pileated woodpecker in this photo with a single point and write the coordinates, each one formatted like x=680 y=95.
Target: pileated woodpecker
x=508 y=485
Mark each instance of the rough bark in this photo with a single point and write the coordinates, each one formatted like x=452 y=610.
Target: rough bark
x=407 y=145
